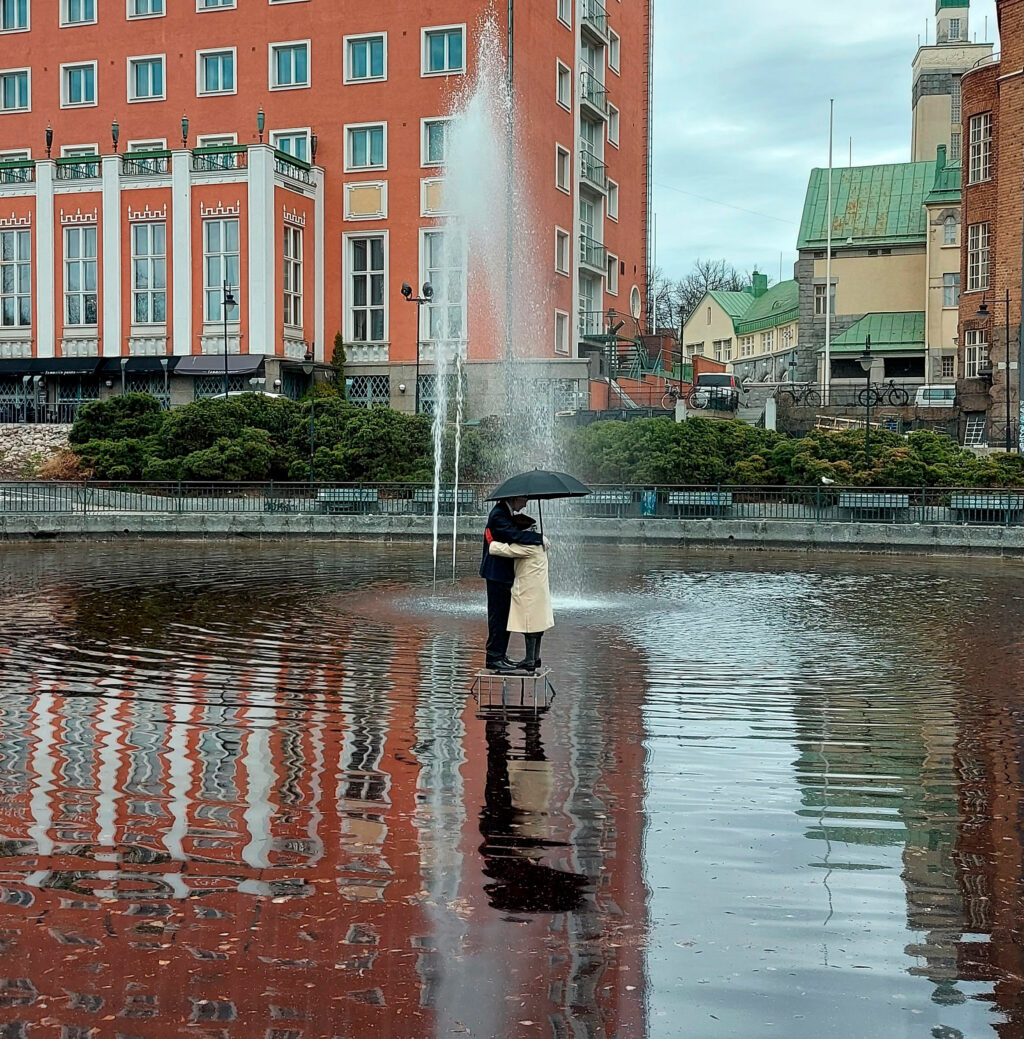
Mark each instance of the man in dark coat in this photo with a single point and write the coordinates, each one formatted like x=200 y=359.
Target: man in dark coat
x=500 y=574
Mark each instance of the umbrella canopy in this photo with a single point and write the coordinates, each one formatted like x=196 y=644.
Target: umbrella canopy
x=540 y=484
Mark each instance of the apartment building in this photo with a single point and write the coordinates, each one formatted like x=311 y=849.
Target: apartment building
x=206 y=191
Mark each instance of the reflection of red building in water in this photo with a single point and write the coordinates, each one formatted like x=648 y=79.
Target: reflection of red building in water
x=228 y=865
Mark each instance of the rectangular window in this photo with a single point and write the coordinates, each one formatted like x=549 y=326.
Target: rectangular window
x=80 y=276
x=149 y=273
x=819 y=299
x=561 y=333
x=565 y=12
x=975 y=352
x=13 y=15
x=613 y=275
x=949 y=230
x=977 y=256
x=365 y=58
x=948 y=367
x=15 y=279
x=955 y=147
x=78 y=12
x=293 y=276
x=951 y=290
x=614 y=51
x=14 y=90
x=954 y=29
x=444 y=266
x=365 y=147
x=215 y=72
x=956 y=103
x=366 y=289
x=289 y=65
x=213 y=5
x=613 y=200
x=980 y=163
x=292 y=142
x=613 y=125
x=443 y=51
x=563 y=168
x=563 y=85
x=145 y=8
x=787 y=337
x=220 y=267
x=145 y=78
x=561 y=251
x=78 y=85
x=435 y=142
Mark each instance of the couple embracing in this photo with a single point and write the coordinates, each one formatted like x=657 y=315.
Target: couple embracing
x=515 y=567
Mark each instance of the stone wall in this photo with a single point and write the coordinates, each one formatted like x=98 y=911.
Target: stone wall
x=23 y=448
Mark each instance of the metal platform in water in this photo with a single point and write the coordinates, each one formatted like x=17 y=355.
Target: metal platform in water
x=512 y=696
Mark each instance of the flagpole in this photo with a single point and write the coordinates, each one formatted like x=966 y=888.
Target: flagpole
x=827 y=373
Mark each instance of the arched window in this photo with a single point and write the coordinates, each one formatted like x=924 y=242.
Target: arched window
x=949 y=230
x=709 y=315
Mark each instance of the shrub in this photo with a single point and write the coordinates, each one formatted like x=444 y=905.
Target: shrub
x=64 y=465
x=129 y=417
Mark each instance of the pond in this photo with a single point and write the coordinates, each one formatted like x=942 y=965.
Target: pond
x=245 y=791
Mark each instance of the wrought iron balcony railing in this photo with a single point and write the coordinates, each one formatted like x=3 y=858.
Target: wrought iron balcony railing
x=17 y=171
x=595 y=16
x=593 y=253
x=78 y=167
x=146 y=164
x=593 y=92
x=217 y=157
x=593 y=171
x=288 y=166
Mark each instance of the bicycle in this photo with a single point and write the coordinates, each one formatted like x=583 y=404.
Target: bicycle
x=891 y=394
x=806 y=395
x=668 y=402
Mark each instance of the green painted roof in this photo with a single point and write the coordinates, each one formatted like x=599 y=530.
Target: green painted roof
x=778 y=306
x=889 y=332
x=941 y=4
x=873 y=205
x=735 y=304
x=946 y=187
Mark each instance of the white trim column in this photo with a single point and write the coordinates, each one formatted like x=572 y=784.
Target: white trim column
x=262 y=226
x=46 y=261
x=111 y=270
x=181 y=252
x=319 y=232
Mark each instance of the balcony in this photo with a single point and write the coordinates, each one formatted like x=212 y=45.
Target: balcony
x=593 y=95
x=17 y=171
x=78 y=167
x=216 y=158
x=593 y=254
x=146 y=164
x=593 y=172
x=595 y=19
x=295 y=169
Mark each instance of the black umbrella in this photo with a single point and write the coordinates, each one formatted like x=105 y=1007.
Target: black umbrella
x=542 y=485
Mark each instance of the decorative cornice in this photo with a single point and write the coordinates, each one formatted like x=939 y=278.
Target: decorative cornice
x=147 y=213
x=294 y=217
x=220 y=209
x=78 y=217
x=16 y=221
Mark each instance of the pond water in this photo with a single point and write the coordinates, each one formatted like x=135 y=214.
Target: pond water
x=244 y=792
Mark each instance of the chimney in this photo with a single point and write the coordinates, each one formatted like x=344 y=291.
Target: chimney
x=940 y=159
x=759 y=284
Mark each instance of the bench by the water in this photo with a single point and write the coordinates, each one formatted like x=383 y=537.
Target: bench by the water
x=984 y=508
x=701 y=503
x=423 y=499
x=873 y=505
x=346 y=499
x=606 y=503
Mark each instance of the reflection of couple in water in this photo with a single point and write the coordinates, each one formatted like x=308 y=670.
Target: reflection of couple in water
x=515 y=567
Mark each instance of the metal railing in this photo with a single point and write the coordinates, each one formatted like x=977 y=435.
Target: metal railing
x=593 y=171
x=593 y=253
x=667 y=503
x=216 y=157
x=17 y=171
x=288 y=166
x=146 y=164
x=78 y=167
x=27 y=411
x=593 y=92
x=595 y=16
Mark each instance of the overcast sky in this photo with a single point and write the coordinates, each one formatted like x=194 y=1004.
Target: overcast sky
x=741 y=114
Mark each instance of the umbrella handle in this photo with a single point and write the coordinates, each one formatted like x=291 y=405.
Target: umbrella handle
x=540 y=514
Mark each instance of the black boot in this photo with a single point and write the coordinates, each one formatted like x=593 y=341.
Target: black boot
x=532 y=662
x=506 y=667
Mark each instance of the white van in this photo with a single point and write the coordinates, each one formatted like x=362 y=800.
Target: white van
x=935 y=396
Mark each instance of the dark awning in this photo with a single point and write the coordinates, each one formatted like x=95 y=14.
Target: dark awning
x=50 y=366
x=112 y=365
x=213 y=364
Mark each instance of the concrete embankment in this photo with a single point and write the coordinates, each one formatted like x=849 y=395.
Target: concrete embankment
x=799 y=535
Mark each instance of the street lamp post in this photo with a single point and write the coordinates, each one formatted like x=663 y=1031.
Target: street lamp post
x=865 y=363
x=426 y=296
x=983 y=314
x=229 y=302
x=309 y=367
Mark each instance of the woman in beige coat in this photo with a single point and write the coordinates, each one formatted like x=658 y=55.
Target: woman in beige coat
x=530 y=612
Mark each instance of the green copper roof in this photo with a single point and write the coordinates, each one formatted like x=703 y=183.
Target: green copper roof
x=946 y=188
x=873 y=205
x=735 y=304
x=942 y=4
x=889 y=332
x=778 y=306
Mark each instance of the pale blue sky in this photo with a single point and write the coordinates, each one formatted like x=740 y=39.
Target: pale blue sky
x=741 y=113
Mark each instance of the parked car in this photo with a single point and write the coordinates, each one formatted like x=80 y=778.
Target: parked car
x=716 y=390
x=943 y=396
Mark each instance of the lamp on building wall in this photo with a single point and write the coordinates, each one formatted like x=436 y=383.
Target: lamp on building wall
x=425 y=297
x=115 y=134
x=261 y=122
x=184 y=131
x=866 y=362
x=49 y=139
x=314 y=143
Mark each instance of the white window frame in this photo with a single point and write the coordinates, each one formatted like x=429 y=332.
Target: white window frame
x=949 y=31
x=209 y=140
x=979 y=156
x=292 y=300
x=949 y=361
x=137 y=17
x=28 y=80
x=563 y=74
x=15 y=153
x=951 y=290
x=425 y=33
x=820 y=295
x=563 y=12
x=146 y=144
x=294 y=131
x=563 y=157
x=356 y=38
x=16 y=263
x=975 y=352
x=78 y=151
x=272 y=65
x=201 y=90
x=28 y=21
x=947 y=238
x=82 y=292
x=218 y=318
x=447 y=230
x=162 y=58
x=560 y=350
x=768 y=341
x=348 y=272
x=956 y=146
x=979 y=256
x=149 y=258
x=201 y=7
x=612 y=280
x=66 y=24
x=64 y=68
x=425 y=162
x=563 y=245
x=613 y=126
x=349 y=168
x=612 y=207
x=614 y=52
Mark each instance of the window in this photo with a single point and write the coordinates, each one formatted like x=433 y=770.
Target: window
x=951 y=290
x=956 y=103
x=562 y=168
x=443 y=50
x=613 y=200
x=215 y=72
x=365 y=147
x=14 y=90
x=949 y=230
x=768 y=341
x=80 y=276
x=220 y=267
x=977 y=256
x=293 y=276
x=77 y=151
x=591 y=314
x=613 y=126
x=444 y=266
x=149 y=273
x=15 y=278
x=955 y=147
x=211 y=140
x=695 y=349
x=289 y=65
x=746 y=345
x=787 y=337
x=975 y=352
x=819 y=299
x=292 y=142
x=948 y=367
x=980 y=164
x=213 y=5
x=707 y=316
x=146 y=78
x=561 y=332
x=613 y=275
x=145 y=8
x=954 y=29
x=369 y=391
x=722 y=350
x=561 y=251
x=563 y=85
x=77 y=12
x=366 y=289
x=565 y=12
x=614 y=50
x=365 y=58
x=78 y=85
x=435 y=142
x=13 y=15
